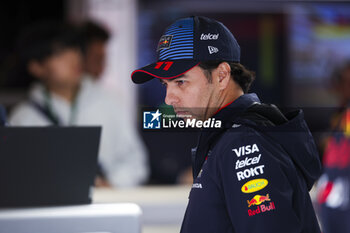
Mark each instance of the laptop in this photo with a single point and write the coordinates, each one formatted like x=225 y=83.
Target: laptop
x=47 y=166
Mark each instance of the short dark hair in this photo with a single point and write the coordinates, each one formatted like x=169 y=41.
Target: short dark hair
x=43 y=39
x=241 y=75
x=91 y=31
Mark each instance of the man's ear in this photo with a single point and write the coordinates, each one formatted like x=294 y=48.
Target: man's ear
x=36 y=69
x=223 y=75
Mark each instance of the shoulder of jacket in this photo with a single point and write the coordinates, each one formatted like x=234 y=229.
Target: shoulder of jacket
x=239 y=129
x=25 y=114
x=238 y=135
x=22 y=108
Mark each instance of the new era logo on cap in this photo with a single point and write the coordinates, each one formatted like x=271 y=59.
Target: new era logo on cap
x=212 y=49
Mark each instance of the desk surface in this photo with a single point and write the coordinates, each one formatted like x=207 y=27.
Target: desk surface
x=73 y=211
x=163 y=207
x=157 y=195
x=112 y=217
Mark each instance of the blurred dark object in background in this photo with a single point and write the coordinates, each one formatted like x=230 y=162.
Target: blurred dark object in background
x=170 y=154
x=334 y=185
x=14 y=16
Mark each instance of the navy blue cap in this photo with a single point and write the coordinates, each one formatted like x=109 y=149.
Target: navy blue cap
x=185 y=44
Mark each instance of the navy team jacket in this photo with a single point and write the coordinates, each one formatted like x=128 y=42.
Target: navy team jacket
x=253 y=176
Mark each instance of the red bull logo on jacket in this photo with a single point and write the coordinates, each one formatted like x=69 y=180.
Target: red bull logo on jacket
x=258 y=201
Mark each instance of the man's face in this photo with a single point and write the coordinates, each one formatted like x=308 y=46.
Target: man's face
x=191 y=95
x=95 y=58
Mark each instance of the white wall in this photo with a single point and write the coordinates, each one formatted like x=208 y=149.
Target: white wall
x=119 y=17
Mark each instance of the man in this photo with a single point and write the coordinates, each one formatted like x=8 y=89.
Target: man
x=95 y=38
x=253 y=174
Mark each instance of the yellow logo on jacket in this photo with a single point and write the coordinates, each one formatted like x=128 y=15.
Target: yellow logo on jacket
x=254 y=185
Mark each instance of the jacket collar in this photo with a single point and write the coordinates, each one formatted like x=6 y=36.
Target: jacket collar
x=226 y=115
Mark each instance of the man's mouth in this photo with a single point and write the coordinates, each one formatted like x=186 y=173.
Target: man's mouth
x=180 y=112
x=183 y=113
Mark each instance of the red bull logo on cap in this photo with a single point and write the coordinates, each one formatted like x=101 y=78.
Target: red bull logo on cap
x=164 y=42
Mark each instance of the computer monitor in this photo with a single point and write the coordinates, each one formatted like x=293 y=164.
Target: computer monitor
x=42 y=166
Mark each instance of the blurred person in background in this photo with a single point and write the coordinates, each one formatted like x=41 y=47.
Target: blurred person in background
x=94 y=39
x=51 y=52
x=334 y=185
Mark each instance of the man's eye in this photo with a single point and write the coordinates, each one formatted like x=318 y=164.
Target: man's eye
x=164 y=84
x=180 y=82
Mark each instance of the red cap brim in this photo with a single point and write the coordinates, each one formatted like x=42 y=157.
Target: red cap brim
x=163 y=70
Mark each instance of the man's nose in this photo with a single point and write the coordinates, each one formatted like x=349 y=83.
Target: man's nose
x=171 y=98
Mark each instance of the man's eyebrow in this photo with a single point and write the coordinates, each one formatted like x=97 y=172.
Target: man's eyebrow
x=170 y=80
x=180 y=76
